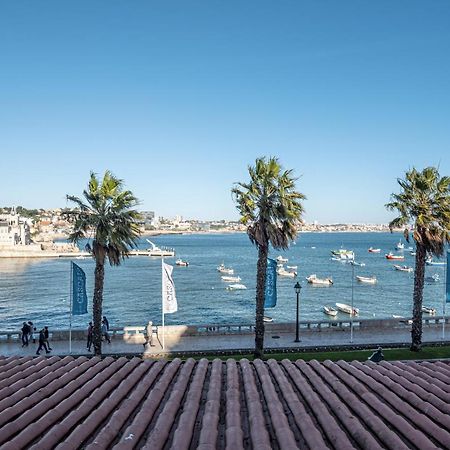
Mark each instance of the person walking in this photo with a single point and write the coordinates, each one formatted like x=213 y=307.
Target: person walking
x=90 y=334
x=25 y=333
x=106 y=323
x=42 y=344
x=32 y=330
x=46 y=338
x=105 y=332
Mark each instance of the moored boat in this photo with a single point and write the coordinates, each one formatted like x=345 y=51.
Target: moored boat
x=230 y=279
x=223 y=269
x=330 y=310
x=433 y=278
x=430 y=262
x=280 y=259
x=390 y=255
x=343 y=254
x=428 y=310
x=354 y=263
x=403 y=268
x=291 y=268
x=236 y=287
x=374 y=250
x=312 y=279
x=368 y=280
x=347 y=309
x=267 y=319
x=180 y=262
x=282 y=272
x=400 y=246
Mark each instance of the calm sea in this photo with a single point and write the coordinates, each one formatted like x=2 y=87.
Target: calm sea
x=38 y=290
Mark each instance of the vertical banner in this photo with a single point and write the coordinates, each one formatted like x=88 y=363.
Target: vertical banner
x=79 y=297
x=270 y=292
x=447 y=282
x=169 y=299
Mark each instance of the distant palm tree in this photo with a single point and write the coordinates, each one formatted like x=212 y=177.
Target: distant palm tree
x=106 y=214
x=424 y=207
x=271 y=209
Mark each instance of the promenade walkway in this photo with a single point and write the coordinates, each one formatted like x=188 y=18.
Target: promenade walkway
x=239 y=342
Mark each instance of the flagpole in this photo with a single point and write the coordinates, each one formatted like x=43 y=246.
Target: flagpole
x=162 y=302
x=446 y=284
x=70 y=306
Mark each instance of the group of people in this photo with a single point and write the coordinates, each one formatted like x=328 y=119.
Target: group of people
x=104 y=330
x=28 y=330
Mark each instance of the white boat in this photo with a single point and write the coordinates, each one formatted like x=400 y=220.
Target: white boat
x=433 y=278
x=427 y=310
x=282 y=272
x=402 y=319
x=403 y=268
x=180 y=262
x=312 y=279
x=330 y=310
x=291 y=267
x=374 y=250
x=236 y=287
x=347 y=309
x=400 y=246
x=354 y=263
x=154 y=250
x=267 y=319
x=280 y=259
x=223 y=269
x=390 y=255
x=430 y=262
x=413 y=253
x=343 y=254
x=229 y=279
x=368 y=280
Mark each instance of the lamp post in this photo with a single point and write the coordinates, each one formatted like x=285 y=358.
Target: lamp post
x=297 y=288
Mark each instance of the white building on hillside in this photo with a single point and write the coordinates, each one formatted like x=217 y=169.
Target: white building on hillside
x=14 y=230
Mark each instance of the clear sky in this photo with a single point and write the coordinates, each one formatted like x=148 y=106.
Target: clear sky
x=178 y=97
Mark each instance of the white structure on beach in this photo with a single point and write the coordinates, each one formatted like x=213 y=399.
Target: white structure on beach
x=14 y=230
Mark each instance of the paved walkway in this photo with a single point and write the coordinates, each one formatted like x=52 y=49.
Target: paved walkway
x=237 y=342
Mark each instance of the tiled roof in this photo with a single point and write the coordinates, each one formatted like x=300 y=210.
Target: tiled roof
x=93 y=403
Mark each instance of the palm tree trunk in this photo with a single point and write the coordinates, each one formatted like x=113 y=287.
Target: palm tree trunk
x=263 y=251
x=419 y=277
x=98 y=302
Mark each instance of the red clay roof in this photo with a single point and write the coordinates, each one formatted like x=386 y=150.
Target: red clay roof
x=69 y=403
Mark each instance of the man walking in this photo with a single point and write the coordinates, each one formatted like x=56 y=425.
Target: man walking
x=25 y=332
x=90 y=334
x=42 y=344
x=46 y=337
x=105 y=332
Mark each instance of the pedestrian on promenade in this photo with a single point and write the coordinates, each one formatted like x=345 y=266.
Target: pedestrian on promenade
x=105 y=332
x=46 y=338
x=42 y=344
x=32 y=330
x=106 y=323
x=149 y=335
x=90 y=334
x=25 y=333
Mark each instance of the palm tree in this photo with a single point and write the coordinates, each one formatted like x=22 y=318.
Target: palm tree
x=106 y=214
x=424 y=208
x=271 y=208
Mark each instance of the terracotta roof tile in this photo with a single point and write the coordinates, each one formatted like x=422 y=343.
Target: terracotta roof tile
x=94 y=403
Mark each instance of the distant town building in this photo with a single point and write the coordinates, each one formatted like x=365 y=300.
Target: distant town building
x=14 y=230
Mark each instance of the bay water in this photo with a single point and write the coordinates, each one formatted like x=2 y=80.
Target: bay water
x=38 y=289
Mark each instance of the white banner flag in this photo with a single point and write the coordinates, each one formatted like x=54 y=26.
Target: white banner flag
x=169 y=300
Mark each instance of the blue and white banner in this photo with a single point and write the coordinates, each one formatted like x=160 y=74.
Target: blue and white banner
x=270 y=292
x=79 y=297
x=447 y=284
x=169 y=299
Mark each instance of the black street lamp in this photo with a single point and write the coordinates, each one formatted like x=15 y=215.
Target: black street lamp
x=297 y=288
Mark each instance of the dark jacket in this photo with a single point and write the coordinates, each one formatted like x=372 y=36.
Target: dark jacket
x=41 y=337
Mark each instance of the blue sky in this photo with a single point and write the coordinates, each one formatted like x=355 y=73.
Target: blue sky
x=178 y=97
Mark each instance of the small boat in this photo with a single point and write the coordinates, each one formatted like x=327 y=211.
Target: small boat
x=343 y=254
x=236 y=287
x=413 y=253
x=402 y=319
x=154 y=250
x=229 y=279
x=267 y=319
x=330 y=310
x=390 y=255
x=427 y=310
x=282 y=272
x=312 y=279
x=354 y=263
x=433 y=279
x=223 y=269
x=403 y=268
x=347 y=309
x=430 y=262
x=368 y=280
x=291 y=267
x=280 y=259
x=374 y=250
x=180 y=262
x=400 y=246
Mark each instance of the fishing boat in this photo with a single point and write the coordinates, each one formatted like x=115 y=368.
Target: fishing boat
x=400 y=246
x=374 y=250
x=347 y=309
x=236 y=287
x=229 y=279
x=428 y=310
x=403 y=268
x=430 y=262
x=312 y=279
x=433 y=278
x=180 y=262
x=282 y=272
x=330 y=310
x=223 y=269
x=280 y=259
x=390 y=255
x=368 y=280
